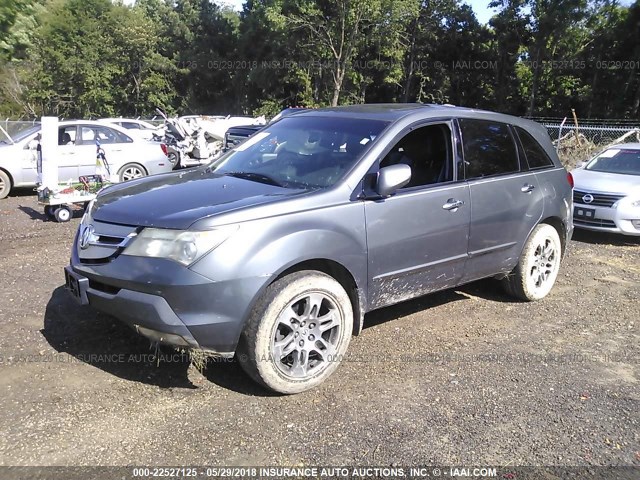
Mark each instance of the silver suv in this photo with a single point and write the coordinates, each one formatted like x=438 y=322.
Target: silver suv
x=277 y=250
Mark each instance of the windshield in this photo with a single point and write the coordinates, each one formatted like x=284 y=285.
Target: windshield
x=19 y=132
x=301 y=152
x=617 y=160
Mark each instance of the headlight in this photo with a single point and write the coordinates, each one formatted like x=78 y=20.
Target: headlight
x=630 y=201
x=87 y=211
x=182 y=246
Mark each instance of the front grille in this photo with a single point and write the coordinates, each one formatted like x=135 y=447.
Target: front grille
x=108 y=240
x=100 y=242
x=594 y=222
x=599 y=199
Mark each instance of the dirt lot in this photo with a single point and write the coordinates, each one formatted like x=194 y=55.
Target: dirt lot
x=466 y=376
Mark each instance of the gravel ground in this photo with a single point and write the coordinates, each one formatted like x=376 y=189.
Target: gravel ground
x=463 y=377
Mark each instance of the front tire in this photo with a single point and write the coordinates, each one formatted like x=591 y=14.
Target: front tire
x=5 y=185
x=537 y=270
x=297 y=333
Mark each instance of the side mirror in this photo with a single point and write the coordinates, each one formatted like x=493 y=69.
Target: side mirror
x=392 y=178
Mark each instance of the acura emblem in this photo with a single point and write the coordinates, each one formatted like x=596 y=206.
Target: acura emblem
x=588 y=198
x=87 y=236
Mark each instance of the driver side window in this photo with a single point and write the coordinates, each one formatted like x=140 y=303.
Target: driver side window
x=428 y=152
x=67 y=135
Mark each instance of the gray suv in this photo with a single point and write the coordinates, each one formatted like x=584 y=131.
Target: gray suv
x=276 y=250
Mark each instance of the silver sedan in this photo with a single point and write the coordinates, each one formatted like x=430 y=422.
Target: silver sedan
x=606 y=196
x=128 y=157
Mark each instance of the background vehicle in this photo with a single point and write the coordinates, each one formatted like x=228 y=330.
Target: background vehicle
x=237 y=134
x=196 y=139
x=134 y=127
x=129 y=157
x=607 y=191
x=278 y=253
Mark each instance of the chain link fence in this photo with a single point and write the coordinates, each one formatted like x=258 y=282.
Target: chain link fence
x=579 y=143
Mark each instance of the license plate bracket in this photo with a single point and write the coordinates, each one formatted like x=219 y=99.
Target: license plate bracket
x=76 y=286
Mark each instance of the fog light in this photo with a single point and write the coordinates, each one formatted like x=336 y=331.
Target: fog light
x=636 y=223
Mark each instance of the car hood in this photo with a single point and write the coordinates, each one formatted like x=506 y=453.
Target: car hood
x=177 y=200
x=591 y=181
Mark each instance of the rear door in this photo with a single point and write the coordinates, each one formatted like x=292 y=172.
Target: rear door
x=506 y=200
x=112 y=141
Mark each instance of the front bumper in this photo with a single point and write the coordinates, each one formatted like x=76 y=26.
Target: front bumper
x=608 y=219
x=165 y=301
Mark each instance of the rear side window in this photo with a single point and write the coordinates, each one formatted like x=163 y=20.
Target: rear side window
x=488 y=148
x=536 y=156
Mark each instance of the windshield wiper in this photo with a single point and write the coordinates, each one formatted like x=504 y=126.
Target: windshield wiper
x=256 y=177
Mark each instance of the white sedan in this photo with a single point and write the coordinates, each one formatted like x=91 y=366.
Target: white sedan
x=134 y=127
x=606 y=196
x=128 y=157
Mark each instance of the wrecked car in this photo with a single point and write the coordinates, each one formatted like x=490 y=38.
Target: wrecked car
x=276 y=250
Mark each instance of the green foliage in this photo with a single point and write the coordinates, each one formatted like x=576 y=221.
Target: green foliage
x=89 y=58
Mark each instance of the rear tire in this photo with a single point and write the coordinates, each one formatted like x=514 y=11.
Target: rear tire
x=131 y=171
x=537 y=270
x=174 y=159
x=297 y=333
x=5 y=184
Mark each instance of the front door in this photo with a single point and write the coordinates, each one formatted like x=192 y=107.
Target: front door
x=417 y=239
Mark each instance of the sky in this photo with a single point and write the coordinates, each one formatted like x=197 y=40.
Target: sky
x=479 y=7
x=483 y=13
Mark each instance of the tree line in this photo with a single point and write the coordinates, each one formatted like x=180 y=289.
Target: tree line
x=91 y=58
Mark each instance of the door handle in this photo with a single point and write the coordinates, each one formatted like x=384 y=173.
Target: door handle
x=453 y=204
x=527 y=188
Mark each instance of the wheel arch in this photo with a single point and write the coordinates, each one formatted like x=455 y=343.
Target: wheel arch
x=560 y=226
x=339 y=273
x=130 y=164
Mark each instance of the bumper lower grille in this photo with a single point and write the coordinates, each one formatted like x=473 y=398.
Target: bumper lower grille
x=595 y=222
x=102 y=287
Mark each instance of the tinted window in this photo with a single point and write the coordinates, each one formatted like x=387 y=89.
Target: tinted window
x=536 y=156
x=488 y=148
x=130 y=125
x=428 y=151
x=89 y=135
x=67 y=135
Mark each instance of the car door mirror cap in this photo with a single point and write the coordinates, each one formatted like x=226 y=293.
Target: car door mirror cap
x=391 y=179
